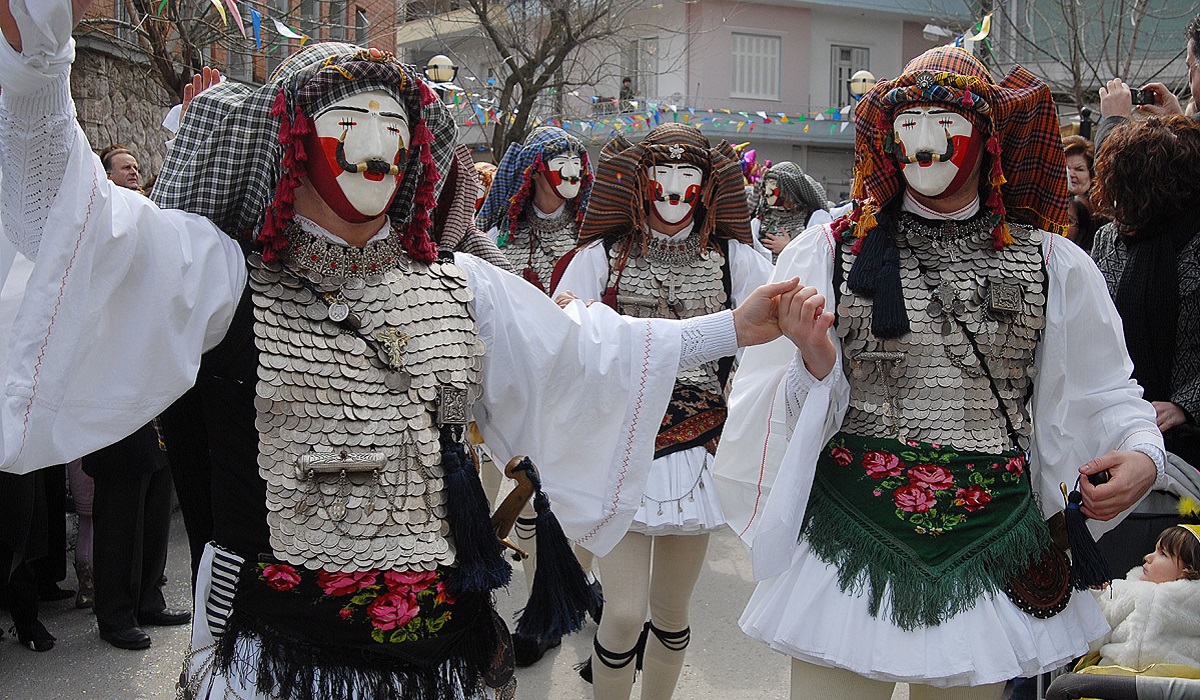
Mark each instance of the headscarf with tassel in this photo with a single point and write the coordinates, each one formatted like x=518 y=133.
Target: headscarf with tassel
x=1023 y=170
x=239 y=154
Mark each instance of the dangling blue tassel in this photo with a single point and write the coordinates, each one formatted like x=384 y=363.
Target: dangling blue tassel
x=1089 y=568
x=480 y=564
x=864 y=273
x=889 y=318
x=560 y=596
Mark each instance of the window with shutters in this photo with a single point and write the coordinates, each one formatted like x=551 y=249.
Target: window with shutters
x=756 y=65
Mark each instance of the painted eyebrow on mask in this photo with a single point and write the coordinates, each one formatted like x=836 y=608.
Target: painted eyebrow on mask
x=932 y=111
x=360 y=110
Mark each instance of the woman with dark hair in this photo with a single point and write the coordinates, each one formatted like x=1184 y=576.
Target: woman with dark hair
x=1082 y=222
x=1147 y=181
x=1080 y=155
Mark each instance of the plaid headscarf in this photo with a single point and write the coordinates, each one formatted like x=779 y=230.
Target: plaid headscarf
x=797 y=190
x=1016 y=116
x=511 y=191
x=237 y=158
x=620 y=199
x=454 y=221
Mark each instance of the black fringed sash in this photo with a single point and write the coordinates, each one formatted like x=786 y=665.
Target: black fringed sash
x=386 y=635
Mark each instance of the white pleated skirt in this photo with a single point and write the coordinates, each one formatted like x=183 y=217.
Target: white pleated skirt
x=680 y=498
x=803 y=614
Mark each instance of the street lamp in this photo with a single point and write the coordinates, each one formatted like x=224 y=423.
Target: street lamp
x=861 y=83
x=440 y=69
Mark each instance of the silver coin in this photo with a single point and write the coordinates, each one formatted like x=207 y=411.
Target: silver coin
x=339 y=312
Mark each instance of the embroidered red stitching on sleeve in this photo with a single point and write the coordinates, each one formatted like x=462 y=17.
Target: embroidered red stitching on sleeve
x=633 y=425
x=762 y=468
x=54 y=317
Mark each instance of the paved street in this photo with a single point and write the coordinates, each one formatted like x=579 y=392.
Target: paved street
x=722 y=662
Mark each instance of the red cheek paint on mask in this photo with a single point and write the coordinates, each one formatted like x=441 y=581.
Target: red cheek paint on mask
x=322 y=173
x=966 y=152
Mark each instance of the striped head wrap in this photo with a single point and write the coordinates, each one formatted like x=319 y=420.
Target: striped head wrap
x=454 y=221
x=511 y=191
x=621 y=198
x=238 y=156
x=1023 y=176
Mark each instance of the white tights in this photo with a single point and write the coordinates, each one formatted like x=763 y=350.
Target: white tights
x=812 y=681
x=646 y=573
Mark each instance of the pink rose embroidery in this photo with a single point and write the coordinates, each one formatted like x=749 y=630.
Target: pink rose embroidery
x=842 y=456
x=345 y=583
x=881 y=465
x=1016 y=465
x=346 y=613
x=392 y=610
x=931 y=476
x=972 y=498
x=444 y=596
x=281 y=577
x=404 y=580
x=914 y=498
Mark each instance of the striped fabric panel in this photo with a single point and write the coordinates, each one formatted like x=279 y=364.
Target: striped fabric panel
x=225 y=569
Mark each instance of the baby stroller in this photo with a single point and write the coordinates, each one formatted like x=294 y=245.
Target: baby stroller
x=1124 y=548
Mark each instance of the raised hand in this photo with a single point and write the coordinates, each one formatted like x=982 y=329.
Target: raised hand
x=804 y=320
x=206 y=78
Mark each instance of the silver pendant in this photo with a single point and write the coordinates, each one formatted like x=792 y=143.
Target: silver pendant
x=338 y=312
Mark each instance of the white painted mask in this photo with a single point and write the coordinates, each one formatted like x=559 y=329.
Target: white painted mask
x=364 y=139
x=771 y=190
x=938 y=149
x=674 y=191
x=564 y=174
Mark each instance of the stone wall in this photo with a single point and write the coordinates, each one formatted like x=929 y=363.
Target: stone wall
x=119 y=101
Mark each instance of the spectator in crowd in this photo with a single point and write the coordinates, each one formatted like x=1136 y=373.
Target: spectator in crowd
x=1148 y=181
x=121 y=166
x=1082 y=222
x=1116 y=100
x=83 y=491
x=132 y=510
x=1080 y=156
x=132 y=519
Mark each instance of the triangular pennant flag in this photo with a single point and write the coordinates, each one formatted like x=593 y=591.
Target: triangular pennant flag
x=285 y=30
x=237 y=16
x=256 y=24
x=220 y=11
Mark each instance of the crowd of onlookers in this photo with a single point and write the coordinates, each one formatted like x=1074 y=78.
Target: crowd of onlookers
x=121 y=497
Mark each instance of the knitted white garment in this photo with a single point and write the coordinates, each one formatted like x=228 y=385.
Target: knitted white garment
x=707 y=338
x=37 y=132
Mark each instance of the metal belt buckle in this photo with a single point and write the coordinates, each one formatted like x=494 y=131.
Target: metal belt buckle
x=313 y=463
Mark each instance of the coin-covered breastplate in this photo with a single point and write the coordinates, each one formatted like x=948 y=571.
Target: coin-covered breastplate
x=537 y=244
x=347 y=418
x=974 y=312
x=780 y=219
x=672 y=280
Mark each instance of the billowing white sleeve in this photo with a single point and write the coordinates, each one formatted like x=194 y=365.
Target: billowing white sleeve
x=123 y=298
x=779 y=418
x=1084 y=401
x=581 y=391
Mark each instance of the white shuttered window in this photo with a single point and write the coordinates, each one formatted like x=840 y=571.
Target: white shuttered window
x=755 y=66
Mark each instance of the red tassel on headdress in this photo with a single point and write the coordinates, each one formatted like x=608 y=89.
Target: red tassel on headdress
x=968 y=99
x=280 y=211
x=417 y=240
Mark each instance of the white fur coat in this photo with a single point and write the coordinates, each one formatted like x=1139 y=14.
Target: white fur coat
x=1151 y=622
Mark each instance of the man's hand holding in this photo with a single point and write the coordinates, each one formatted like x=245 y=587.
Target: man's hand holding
x=804 y=320
x=1165 y=102
x=1116 y=100
x=1131 y=474
x=756 y=320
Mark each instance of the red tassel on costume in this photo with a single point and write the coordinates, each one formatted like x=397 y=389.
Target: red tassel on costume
x=968 y=99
